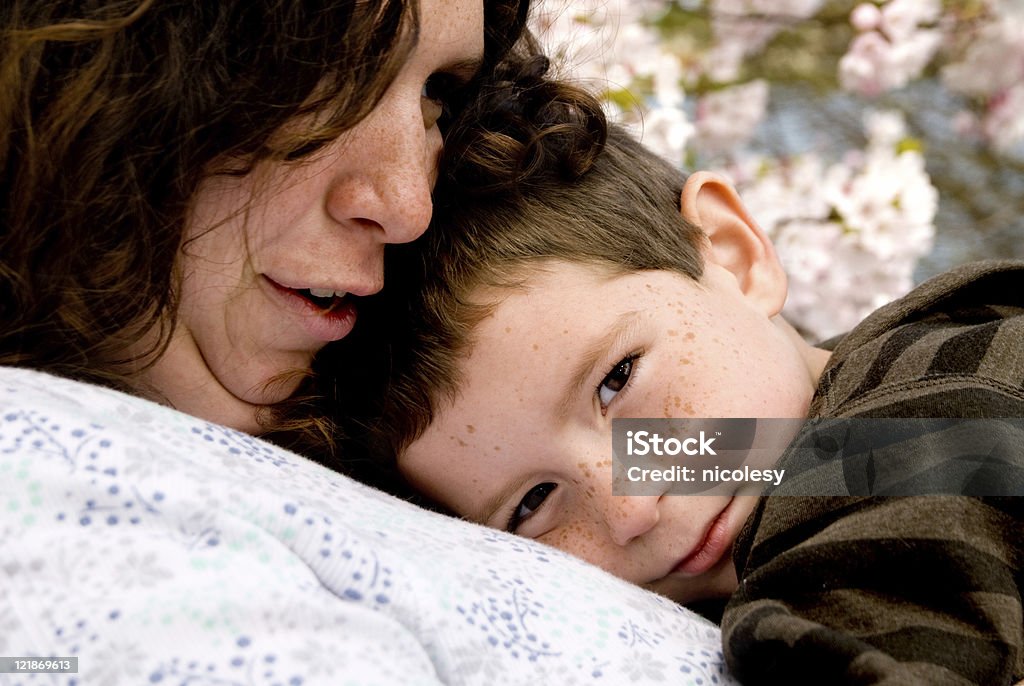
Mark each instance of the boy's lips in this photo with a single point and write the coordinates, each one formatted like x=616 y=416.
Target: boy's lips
x=711 y=547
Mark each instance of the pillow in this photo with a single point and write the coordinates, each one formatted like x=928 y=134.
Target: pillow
x=159 y=548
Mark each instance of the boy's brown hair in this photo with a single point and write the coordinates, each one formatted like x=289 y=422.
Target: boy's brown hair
x=535 y=180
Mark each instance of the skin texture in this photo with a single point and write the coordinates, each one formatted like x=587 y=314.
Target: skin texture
x=322 y=224
x=526 y=416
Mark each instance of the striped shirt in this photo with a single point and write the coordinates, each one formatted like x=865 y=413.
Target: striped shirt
x=898 y=590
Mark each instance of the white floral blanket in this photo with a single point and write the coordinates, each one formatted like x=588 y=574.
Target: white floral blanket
x=161 y=549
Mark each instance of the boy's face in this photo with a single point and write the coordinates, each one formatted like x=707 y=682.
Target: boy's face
x=526 y=445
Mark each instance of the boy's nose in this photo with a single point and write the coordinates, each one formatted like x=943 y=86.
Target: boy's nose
x=629 y=517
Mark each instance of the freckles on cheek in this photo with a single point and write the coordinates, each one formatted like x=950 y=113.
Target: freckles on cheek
x=675 y=402
x=675 y=407
x=573 y=538
x=575 y=535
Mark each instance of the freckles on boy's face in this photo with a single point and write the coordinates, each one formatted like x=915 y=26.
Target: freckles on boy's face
x=526 y=444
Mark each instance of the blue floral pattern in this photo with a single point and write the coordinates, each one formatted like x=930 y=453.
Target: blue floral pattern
x=161 y=549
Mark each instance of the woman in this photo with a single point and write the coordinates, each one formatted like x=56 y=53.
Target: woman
x=194 y=194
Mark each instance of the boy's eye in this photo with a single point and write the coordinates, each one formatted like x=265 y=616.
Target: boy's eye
x=615 y=381
x=530 y=503
x=440 y=95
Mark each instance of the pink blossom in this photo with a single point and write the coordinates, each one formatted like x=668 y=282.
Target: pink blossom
x=1004 y=123
x=863 y=67
x=866 y=17
x=874 y=64
x=901 y=18
x=727 y=118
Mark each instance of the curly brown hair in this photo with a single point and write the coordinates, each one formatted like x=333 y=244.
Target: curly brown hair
x=113 y=111
x=533 y=179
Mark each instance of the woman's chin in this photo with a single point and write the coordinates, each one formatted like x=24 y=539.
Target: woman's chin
x=238 y=398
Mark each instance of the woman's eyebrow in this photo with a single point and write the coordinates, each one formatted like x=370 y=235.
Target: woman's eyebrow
x=592 y=355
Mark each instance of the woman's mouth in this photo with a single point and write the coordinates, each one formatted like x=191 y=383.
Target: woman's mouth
x=326 y=314
x=324 y=298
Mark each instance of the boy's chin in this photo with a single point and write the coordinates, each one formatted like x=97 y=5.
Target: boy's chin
x=717 y=583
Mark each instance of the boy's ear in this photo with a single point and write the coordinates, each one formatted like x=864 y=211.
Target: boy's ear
x=737 y=243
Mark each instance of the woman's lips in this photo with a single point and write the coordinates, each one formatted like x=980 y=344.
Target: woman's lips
x=710 y=549
x=326 y=325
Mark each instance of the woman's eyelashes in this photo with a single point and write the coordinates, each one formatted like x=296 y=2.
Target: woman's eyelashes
x=616 y=380
x=442 y=96
x=530 y=503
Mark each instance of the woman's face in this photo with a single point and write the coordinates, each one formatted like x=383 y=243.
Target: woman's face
x=272 y=259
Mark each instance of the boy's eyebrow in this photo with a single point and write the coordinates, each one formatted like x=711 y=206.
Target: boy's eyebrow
x=621 y=328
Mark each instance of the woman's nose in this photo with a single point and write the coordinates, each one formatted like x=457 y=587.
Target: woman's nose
x=387 y=166
x=629 y=517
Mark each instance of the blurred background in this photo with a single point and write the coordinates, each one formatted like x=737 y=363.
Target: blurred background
x=878 y=143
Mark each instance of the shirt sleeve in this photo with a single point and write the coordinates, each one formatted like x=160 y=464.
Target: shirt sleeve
x=878 y=590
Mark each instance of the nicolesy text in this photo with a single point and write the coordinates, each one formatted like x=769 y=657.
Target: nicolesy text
x=647 y=443
x=715 y=476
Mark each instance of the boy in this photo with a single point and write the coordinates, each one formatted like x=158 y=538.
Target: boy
x=578 y=289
